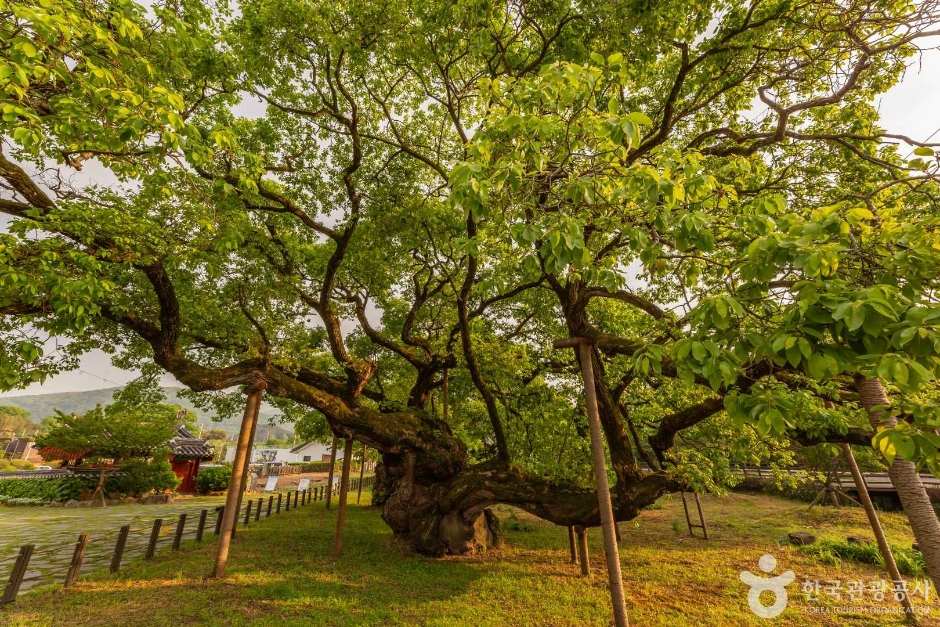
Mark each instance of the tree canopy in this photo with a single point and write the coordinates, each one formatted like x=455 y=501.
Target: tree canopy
x=390 y=221
x=15 y=421
x=113 y=433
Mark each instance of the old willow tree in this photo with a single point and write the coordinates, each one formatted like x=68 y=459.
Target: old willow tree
x=389 y=210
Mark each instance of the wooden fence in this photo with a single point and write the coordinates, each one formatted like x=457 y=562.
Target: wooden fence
x=145 y=541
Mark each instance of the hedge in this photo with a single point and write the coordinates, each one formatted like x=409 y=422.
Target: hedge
x=45 y=490
x=312 y=466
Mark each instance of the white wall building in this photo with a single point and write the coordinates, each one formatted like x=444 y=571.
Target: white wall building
x=306 y=452
x=313 y=452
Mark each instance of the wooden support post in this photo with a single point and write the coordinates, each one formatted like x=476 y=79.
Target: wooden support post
x=296 y=495
x=329 y=479
x=572 y=545
x=78 y=556
x=890 y=565
x=343 y=493
x=119 y=548
x=584 y=555
x=201 y=527
x=248 y=512
x=219 y=514
x=16 y=575
x=180 y=528
x=239 y=465
x=277 y=510
x=701 y=516
x=322 y=492
x=287 y=508
x=270 y=504
x=362 y=467
x=611 y=550
x=258 y=511
x=154 y=536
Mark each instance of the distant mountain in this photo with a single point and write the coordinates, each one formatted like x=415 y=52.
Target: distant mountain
x=41 y=405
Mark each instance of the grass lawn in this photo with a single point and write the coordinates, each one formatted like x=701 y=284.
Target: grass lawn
x=281 y=573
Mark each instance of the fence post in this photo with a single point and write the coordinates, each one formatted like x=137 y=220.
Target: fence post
x=280 y=495
x=219 y=512
x=202 y=524
x=16 y=575
x=248 y=511
x=180 y=526
x=287 y=508
x=270 y=503
x=296 y=495
x=322 y=491
x=303 y=497
x=119 y=548
x=77 y=558
x=154 y=536
x=258 y=511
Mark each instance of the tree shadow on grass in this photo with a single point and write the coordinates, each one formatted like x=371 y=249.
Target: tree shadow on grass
x=280 y=572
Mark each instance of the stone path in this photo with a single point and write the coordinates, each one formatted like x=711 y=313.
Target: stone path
x=54 y=532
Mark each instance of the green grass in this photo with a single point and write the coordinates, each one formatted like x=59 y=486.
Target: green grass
x=281 y=573
x=910 y=563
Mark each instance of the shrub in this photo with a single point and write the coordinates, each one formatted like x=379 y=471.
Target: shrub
x=214 y=479
x=142 y=477
x=7 y=465
x=45 y=490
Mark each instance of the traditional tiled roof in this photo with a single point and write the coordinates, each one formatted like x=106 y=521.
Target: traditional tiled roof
x=51 y=453
x=186 y=445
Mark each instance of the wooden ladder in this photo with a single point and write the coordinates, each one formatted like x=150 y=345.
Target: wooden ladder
x=701 y=516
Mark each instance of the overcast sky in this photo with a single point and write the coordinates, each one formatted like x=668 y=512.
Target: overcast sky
x=911 y=108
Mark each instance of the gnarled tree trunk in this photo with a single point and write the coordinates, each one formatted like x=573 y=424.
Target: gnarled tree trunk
x=906 y=480
x=443 y=513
